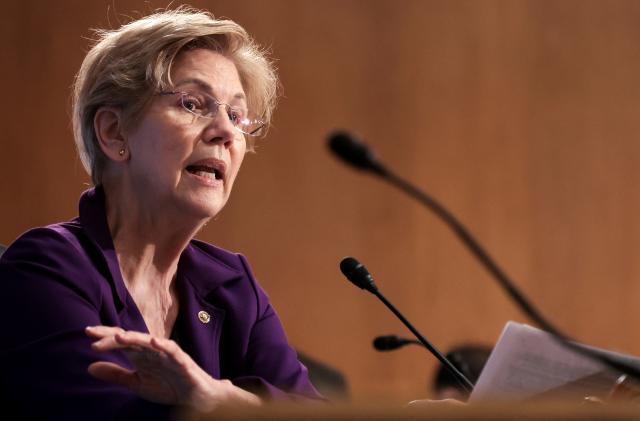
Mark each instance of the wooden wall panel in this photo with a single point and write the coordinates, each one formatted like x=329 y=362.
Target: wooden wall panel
x=520 y=115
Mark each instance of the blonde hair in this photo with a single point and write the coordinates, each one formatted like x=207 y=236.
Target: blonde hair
x=127 y=66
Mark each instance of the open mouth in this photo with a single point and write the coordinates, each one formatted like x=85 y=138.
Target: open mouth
x=206 y=171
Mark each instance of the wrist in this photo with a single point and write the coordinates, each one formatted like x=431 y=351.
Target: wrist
x=245 y=397
x=224 y=393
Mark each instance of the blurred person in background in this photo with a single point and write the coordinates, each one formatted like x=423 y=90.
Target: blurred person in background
x=469 y=359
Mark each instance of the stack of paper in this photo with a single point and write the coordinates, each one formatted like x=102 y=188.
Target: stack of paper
x=528 y=363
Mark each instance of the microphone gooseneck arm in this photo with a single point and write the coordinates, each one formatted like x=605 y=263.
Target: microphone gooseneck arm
x=357 y=154
x=355 y=272
x=478 y=251
x=466 y=383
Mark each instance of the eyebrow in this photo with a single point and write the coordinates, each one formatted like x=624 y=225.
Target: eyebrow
x=205 y=86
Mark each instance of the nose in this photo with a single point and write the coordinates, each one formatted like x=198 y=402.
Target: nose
x=220 y=130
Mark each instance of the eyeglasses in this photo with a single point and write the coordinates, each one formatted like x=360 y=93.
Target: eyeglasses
x=203 y=105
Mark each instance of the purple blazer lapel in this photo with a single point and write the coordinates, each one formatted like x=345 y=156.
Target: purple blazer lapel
x=200 y=326
x=200 y=321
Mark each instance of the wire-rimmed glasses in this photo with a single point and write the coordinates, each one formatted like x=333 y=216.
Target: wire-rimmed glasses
x=204 y=105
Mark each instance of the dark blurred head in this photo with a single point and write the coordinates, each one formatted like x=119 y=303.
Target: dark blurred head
x=469 y=359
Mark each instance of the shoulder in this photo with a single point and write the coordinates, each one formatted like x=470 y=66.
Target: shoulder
x=50 y=242
x=55 y=254
x=49 y=276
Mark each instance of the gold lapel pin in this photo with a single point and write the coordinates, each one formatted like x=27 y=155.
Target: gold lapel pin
x=204 y=317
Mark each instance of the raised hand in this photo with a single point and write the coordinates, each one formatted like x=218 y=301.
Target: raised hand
x=163 y=373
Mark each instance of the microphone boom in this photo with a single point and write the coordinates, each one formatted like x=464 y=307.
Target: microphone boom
x=355 y=153
x=355 y=272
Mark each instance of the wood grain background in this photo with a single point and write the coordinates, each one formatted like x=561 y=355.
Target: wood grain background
x=521 y=116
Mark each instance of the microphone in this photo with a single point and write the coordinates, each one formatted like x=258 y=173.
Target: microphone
x=355 y=153
x=358 y=155
x=355 y=272
x=392 y=342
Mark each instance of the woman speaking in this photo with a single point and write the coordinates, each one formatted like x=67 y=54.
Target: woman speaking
x=120 y=312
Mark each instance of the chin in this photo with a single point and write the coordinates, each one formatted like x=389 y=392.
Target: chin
x=209 y=209
x=201 y=207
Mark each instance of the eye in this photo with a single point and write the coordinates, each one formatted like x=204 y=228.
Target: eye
x=192 y=103
x=236 y=116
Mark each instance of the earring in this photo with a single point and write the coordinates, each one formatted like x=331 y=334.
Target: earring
x=121 y=152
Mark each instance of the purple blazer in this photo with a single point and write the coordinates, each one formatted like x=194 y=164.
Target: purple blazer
x=58 y=279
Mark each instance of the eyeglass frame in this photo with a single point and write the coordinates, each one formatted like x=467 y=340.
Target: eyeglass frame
x=261 y=124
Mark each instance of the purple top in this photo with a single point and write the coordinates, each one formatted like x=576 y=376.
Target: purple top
x=58 y=279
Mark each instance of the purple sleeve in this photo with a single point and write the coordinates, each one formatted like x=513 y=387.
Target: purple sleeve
x=50 y=293
x=277 y=374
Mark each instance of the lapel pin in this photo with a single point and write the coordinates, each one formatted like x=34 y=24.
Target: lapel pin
x=204 y=317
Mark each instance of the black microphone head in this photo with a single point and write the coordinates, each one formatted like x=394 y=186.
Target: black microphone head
x=354 y=152
x=389 y=342
x=357 y=274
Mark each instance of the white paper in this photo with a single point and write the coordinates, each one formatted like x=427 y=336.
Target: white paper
x=528 y=363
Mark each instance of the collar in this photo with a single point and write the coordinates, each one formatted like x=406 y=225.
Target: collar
x=204 y=266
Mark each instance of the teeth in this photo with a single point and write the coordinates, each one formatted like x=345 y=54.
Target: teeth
x=205 y=174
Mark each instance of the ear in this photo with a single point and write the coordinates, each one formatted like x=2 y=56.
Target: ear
x=108 y=126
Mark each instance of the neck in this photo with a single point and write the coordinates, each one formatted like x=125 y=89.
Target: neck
x=148 y=238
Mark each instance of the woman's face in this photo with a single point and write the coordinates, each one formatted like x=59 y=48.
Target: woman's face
x=182 y=163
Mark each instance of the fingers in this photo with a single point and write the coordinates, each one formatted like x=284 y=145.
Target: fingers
x=173 y=350
x=436 y=403
x=113 y=373
x=102 y=331
x=133 y=339
x=130 y=338
x=146 y=347
x=146 y=352
x=110 y=338
x=143 y=348
x=165 y=345
x=106 y=337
